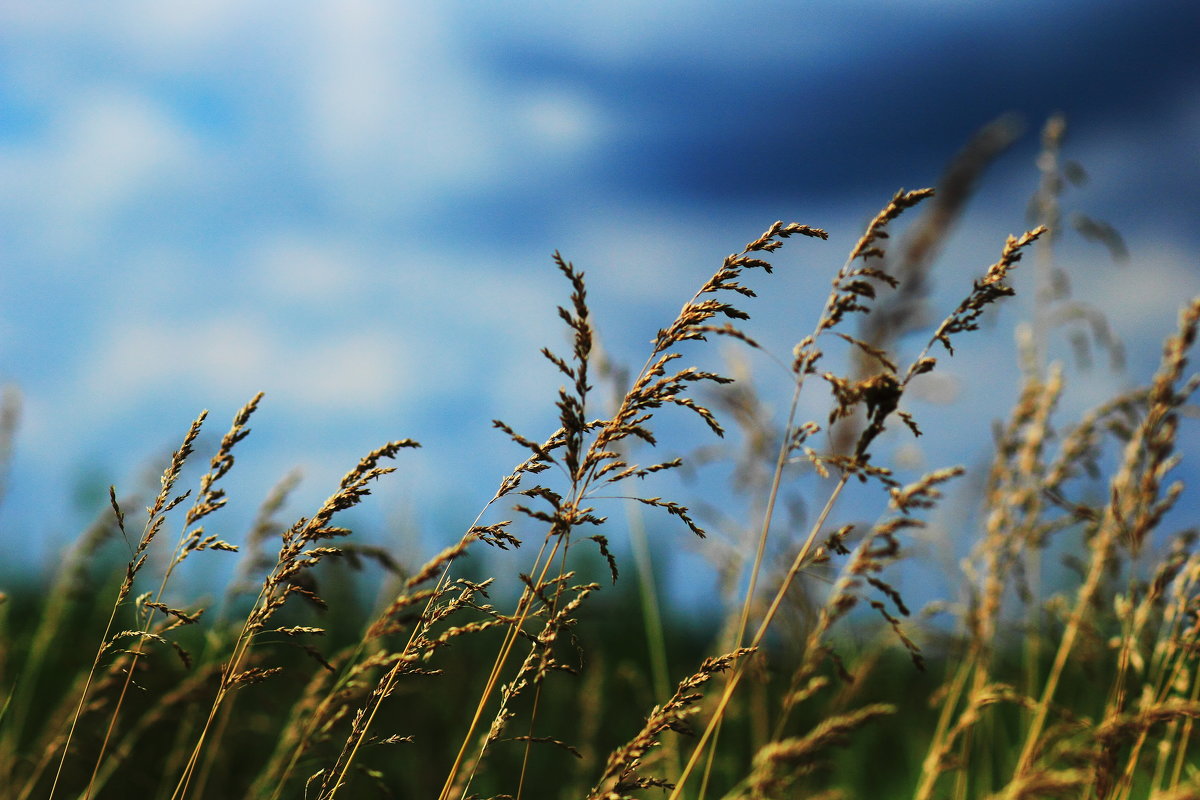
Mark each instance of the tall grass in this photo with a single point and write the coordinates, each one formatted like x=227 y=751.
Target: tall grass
x=820 y=680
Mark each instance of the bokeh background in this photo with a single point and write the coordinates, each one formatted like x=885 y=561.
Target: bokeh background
x=352 y=205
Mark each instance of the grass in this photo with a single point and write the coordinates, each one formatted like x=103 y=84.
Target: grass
x=820 y=680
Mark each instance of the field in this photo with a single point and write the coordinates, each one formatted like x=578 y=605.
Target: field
x=1064 y=665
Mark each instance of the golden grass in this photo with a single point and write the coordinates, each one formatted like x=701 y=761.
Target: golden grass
x=236 y=715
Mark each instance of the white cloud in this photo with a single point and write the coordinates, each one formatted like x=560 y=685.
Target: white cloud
x=658 y=253
x=107 y=147
x=327 y=332
x=388 y=100
x=378 y=101
x=476 y=323
x=1141 y=299
x=171 y=33
x=228 y=359
x=171 y=36
x=313 y=269
x=561 y=119
x=114 y=143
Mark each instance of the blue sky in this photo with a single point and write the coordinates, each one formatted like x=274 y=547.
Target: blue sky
x=351 y=206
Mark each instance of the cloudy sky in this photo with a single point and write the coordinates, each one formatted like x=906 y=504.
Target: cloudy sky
x=352 y=205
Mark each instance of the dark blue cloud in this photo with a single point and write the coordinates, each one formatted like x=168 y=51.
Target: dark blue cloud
x=906 y=90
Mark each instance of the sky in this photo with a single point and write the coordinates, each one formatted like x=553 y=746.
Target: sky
x=352 y=206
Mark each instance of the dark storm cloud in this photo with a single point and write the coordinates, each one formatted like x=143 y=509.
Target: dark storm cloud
x=905 y=89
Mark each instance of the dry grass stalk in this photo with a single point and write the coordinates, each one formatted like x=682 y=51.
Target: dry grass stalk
x=70 y=582
x=208 y=499
x=301 y=550
x=1014 y=523
x=156 y=516
x=10 y=418
x=1134 y=506
x=852 y=287
x=1150 y=632
x=591 y=463
x=880 y=395
x=621 y=773
x=779 y=763
x=1053 y=306
x=905 y=310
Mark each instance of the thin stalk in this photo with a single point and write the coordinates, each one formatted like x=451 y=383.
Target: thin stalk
x=656 y=645
x=759 y=635
x=346 y=758
x=939 y=748
x=511 y=636
x=82 y=698
x=537 y=694
x=1185 y=737
x=240 y=648
x=1084 y=600
x=781 y=460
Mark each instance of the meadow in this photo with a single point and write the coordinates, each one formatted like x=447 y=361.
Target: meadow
x=1063 y=666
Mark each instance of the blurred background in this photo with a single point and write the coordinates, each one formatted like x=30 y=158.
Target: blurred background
x=352 y=206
